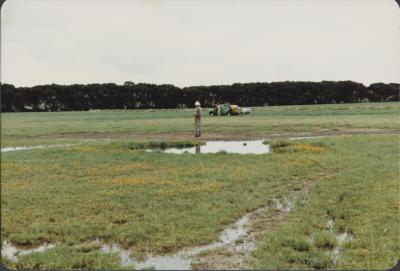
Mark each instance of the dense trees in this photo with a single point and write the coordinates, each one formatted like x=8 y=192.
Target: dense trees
x=130 y=95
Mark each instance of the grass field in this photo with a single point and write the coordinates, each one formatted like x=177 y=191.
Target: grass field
x=60 y=127
x=107 y=187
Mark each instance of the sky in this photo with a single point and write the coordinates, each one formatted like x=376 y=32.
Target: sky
x=197 y=42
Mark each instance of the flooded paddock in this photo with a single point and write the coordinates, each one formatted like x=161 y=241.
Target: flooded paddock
x=236 y=237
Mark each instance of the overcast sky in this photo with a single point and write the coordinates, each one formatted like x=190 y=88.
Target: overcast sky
x=199 y=42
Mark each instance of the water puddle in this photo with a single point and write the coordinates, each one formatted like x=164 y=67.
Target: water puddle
x=340 y=239
x=344 y=237
x=236 y=231
x=11 y=252
x=241 y=147
x=22 y=148
x=174 y=262
x=287 y=208
x=123 y=253
x=329 y=224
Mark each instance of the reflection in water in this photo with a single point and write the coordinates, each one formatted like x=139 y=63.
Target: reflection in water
x=242 y=147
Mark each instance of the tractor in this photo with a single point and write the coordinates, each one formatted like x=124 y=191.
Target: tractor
x=229 y=110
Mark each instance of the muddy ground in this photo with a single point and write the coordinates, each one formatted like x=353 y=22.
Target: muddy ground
x=212 y=136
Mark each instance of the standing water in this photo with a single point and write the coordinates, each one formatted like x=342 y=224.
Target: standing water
x=241 y=147
x=22 y=148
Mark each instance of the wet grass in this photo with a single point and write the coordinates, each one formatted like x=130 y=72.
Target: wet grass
x=147 y=201
x=359 y=192
x=67 y=257
x=292 y=146
x=157 y=203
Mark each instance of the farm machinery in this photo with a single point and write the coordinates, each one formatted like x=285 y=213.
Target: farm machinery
x=228 y=110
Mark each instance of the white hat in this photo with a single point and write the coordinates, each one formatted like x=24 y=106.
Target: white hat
x=197 y=103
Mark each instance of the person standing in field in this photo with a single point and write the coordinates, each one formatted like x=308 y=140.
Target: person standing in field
x=218 y=109
x=197 y=119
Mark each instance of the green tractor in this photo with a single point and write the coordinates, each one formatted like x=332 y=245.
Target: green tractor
x=228 y=110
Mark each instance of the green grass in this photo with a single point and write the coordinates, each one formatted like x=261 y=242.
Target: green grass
x=146 y=200
x=156 y=202
x=67 y=257
x=361 y=194
x=55 y=127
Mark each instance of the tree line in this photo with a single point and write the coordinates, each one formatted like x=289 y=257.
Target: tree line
x=145 y=96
